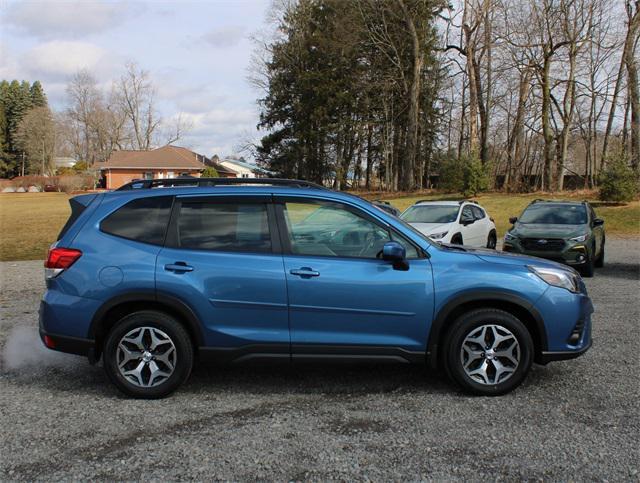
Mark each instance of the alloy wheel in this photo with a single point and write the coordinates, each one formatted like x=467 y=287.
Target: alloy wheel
x=146 y=356
x=490 y=354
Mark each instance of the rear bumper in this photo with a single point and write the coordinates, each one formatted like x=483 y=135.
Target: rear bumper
x=70 y=345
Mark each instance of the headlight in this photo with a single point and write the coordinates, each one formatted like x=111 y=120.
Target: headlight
x=558 y=278
x=580 y=238
x=509 y=237
x=438 y=236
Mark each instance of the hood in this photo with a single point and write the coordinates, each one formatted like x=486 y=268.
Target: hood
x=532 y=230
x=429 y=228
x=506 y=258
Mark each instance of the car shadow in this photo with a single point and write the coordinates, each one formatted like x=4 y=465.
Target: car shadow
x=625 y=271
x=316 y=378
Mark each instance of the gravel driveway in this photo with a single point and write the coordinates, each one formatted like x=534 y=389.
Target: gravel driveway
x=578 y=420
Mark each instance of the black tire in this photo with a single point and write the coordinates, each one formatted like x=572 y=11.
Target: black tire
x=505 y=323
x=588 y=268
x=492 y=240
x=456 y=239
x=600 y=260
x=182 y=355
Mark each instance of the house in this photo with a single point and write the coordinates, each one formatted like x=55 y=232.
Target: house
x=165 y=162
x=244 y=169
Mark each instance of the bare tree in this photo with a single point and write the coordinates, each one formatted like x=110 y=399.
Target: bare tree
x=36 y=137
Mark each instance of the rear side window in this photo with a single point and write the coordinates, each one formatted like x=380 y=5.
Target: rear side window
x=144 y=220
x=241 y=227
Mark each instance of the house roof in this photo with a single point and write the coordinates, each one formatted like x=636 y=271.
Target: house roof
x=166 y=157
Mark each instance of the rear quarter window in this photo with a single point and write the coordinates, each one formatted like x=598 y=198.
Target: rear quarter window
x=144 y=220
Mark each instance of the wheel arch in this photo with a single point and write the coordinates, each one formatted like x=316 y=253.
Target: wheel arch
x=513 y=304
x=117 y=307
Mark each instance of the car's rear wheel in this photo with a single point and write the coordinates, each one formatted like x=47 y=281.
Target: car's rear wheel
x=492 y=240
x=489 y=352
x=148 y=354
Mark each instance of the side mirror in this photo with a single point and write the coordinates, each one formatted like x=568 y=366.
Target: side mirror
x=468 y=222
x=395 y=253
x=598 y=222
x=513 y=220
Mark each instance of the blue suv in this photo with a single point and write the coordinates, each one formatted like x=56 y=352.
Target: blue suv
x=163 y=273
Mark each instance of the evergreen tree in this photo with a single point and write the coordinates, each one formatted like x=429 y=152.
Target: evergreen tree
x=16 y=100
x=38 y=97
x=338 y=99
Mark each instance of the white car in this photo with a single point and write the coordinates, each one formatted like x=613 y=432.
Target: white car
x=457 y=222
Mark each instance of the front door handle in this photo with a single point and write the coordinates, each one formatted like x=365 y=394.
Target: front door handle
x=304 y=272
x=178 y=267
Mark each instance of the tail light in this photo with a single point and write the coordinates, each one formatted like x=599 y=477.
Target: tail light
x=58 y=260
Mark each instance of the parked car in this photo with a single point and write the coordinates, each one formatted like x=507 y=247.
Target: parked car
x=565 y=231
x=152 y=280
x=457 y=222
x=386 y=206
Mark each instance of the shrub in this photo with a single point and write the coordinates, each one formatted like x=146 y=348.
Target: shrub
x=476 y=178
x=69 y=184
x=209 y=172
x=451 y=175
x=618 y=181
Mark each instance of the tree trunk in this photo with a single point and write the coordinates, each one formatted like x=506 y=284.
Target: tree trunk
x=631 y=63
x=547 y=174
x=407 y=181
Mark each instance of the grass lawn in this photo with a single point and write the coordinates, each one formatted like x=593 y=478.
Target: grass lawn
x=30 y=222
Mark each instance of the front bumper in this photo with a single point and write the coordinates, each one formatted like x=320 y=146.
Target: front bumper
x=567 y=319
x=574 y=254
x=547 y=356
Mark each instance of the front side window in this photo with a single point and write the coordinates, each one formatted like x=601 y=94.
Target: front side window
x=478 y=212
x=431 y=214
x=467 y=215
x=332 y=230
x=235 y=227
x=144 y=220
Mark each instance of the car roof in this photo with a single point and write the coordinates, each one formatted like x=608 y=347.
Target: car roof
x=559 y=202
x=259 y=186
x=439 y=203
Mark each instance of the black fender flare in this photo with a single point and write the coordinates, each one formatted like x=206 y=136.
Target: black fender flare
x=493 y=298
x=181 y=308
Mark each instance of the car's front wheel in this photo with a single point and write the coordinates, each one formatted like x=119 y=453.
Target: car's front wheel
x=489 y=352
x=148 y=354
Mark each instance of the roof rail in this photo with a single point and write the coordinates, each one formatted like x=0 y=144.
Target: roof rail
x=204 y=182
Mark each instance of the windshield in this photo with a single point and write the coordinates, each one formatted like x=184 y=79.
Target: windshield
x=431 y=214
x=554 y=214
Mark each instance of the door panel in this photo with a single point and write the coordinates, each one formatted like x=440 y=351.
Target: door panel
x=469 y=232
x=359 y=303
x=240 y=298
x=341 y=296
x=222 y=258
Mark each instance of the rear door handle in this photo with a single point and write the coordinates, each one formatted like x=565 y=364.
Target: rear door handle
x=304 y=272
x=178 y=267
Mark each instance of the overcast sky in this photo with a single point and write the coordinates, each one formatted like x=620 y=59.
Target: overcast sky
x=197 y=52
